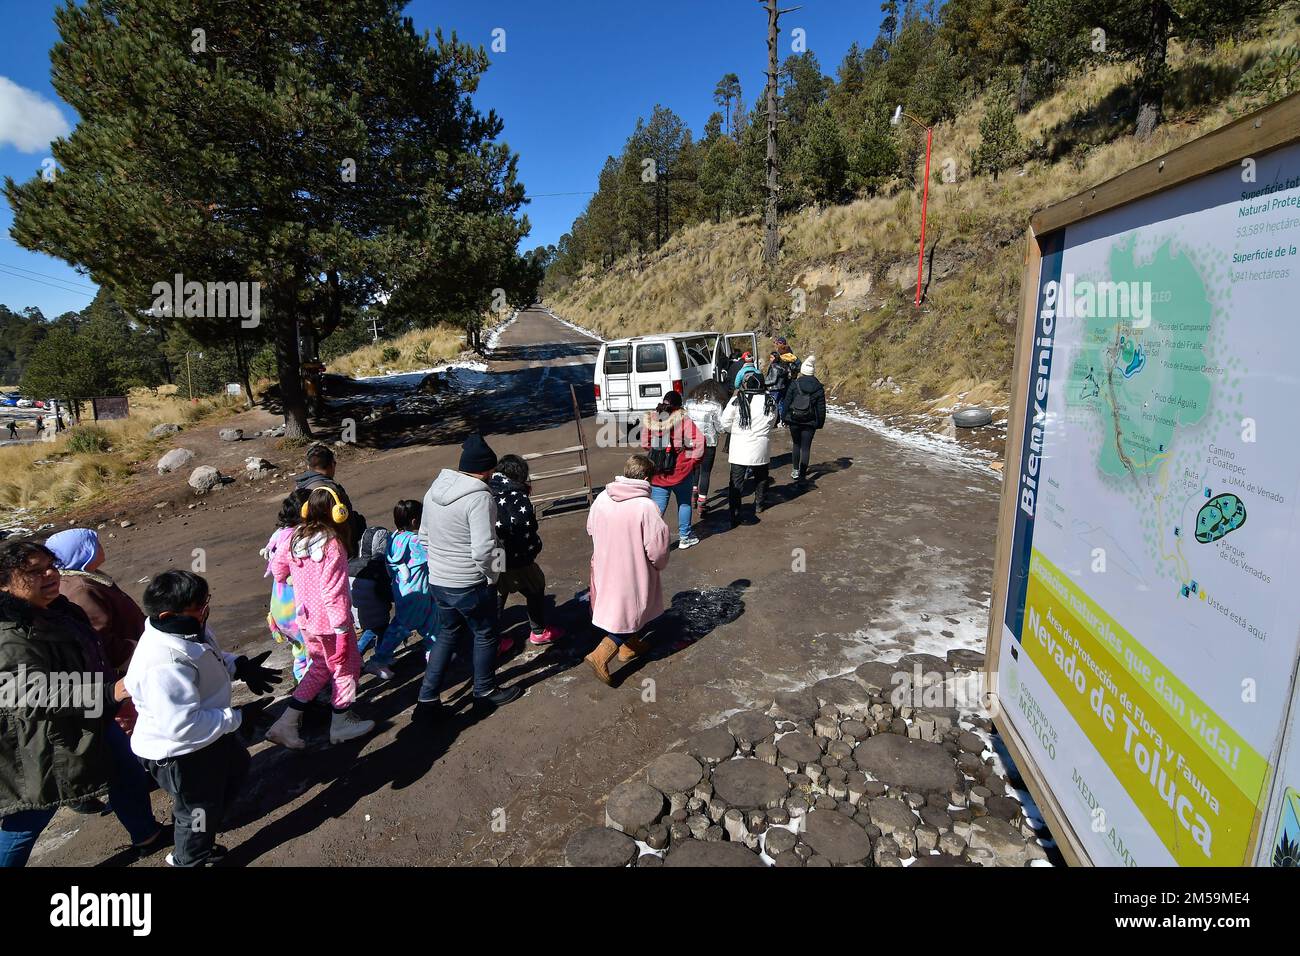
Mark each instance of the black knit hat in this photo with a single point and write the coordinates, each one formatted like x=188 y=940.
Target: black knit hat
x=476 y=456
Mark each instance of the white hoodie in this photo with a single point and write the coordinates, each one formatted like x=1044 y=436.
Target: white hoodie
x=180 y=685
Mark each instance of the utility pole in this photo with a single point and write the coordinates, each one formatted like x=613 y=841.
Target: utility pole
x=771 y=234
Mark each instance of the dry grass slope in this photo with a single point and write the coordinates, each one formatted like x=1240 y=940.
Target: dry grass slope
x=52 y=475
x=855 y=265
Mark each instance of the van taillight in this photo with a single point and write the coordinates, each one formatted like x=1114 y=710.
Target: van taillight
x=677 y=385
x=597 y=393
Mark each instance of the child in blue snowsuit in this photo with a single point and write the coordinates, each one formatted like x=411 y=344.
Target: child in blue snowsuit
x=408 y=568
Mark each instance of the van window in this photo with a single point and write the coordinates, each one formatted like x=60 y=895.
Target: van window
x=652 y=358
x=618 y=359
x=700 y=351
x=683 y=362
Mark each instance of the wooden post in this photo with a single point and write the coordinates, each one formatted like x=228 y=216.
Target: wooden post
x=771 y=235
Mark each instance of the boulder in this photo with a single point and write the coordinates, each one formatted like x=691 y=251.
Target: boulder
x=916 y=765
x=632 y=806
x=836 y=838
x=965 y=659
x=163 y=430
x=751 y=727
x=674 y=773
x=712 y=854
x=204 y=478
x=750 y=784
x=231 y=434
x=175 y=460
x=599 y=846
x=712 y=746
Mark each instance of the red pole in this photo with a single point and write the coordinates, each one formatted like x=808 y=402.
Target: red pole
x=925 y=198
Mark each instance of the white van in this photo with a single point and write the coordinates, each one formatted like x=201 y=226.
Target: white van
x=633 y=375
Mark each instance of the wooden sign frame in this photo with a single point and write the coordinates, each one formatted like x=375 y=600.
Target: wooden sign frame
x=1260 y=132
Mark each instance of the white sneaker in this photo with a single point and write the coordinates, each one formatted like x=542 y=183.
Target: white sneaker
x=794 y=474
x=382 y=671
x=685 y=543
x=348 y=726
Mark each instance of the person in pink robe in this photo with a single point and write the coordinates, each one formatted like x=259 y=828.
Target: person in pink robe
x=629 y=549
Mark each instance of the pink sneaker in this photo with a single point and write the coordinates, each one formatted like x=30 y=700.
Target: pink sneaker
x=506 y=644
x=548 y=634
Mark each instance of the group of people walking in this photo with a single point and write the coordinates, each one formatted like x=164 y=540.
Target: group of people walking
x=128 y=693
x=681 y=438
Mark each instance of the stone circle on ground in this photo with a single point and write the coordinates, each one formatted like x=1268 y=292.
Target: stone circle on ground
x=834 y=774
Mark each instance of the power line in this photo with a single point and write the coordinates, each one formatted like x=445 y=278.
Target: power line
x=45 y=275
x=15 y=275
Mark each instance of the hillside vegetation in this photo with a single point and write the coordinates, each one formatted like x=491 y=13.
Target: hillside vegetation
x=854 y=265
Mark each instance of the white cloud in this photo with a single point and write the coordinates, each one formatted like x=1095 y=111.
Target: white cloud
x=28 y=121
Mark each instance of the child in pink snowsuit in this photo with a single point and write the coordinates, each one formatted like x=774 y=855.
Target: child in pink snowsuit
x=317 y=560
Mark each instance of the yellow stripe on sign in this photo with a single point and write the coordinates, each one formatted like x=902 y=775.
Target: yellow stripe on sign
x=1201 y=816
x=1247 y=768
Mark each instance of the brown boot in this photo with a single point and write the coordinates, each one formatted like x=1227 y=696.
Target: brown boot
x=632 y=648
x=599 y=660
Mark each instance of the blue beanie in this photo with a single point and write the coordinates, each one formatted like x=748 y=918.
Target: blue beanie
x=74 y=549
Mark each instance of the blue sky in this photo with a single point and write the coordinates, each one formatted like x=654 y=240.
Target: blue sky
x=572 y=80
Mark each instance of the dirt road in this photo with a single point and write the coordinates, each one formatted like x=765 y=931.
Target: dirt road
x=890 y=552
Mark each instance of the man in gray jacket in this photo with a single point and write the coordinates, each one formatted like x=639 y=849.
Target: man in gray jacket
x=458 y=531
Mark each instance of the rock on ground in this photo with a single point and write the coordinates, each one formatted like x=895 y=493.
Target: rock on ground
x=632 y=806
x=714 y=854
x=599 y=846
x=750 y=784
x=204 y=478
x=916 y=765
x=835 y=837
x=174 y=460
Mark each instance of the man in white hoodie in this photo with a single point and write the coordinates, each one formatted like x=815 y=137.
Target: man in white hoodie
x=458 y=531
x=187 y=735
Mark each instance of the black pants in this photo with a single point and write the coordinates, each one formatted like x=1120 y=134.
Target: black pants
x=801 y=437
x=703 y=468
x=736 y=486
x=203 y=785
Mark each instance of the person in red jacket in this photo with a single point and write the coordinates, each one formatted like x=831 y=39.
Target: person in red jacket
x=675 y=446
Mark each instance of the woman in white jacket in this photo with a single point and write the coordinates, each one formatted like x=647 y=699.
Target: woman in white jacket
x=750 y=417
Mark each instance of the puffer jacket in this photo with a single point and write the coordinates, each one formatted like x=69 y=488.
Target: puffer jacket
x=52 y=752
x=516 y=522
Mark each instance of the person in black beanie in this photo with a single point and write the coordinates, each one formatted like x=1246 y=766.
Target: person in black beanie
x=458 y=531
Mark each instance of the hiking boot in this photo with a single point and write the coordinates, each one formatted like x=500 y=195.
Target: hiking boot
x=427 y=712
x=90 y=806
x=546 y=635
x=760 y=494
x=632 y=648
x=687 y=542
x=287 y=731
x=348 y=726
x=500 y=697
x=599 y=660
x=378 y=669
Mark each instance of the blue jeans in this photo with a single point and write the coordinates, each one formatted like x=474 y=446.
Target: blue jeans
x=660 y=494
x=128 y=794
x=464 y=615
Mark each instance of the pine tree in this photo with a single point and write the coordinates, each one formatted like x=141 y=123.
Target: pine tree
x=999 y=146
x=326 y=152
x=821 y=163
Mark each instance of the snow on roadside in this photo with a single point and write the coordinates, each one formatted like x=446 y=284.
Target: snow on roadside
x=577 y=328
x=494 y=336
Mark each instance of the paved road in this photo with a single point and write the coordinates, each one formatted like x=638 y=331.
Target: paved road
x=890 y=552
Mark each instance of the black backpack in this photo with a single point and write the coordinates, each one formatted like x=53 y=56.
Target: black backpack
x=801 y=410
